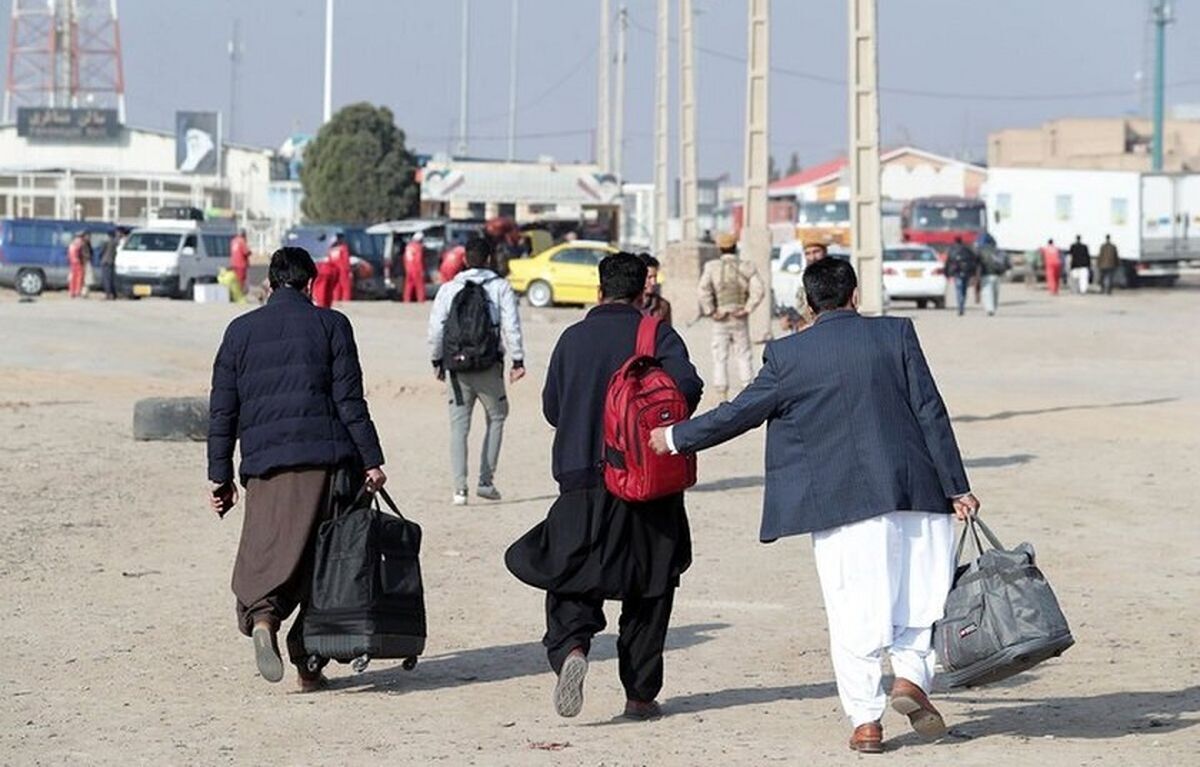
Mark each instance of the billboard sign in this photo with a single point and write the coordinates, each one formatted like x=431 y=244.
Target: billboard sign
x=198 y=143
x=69 y=124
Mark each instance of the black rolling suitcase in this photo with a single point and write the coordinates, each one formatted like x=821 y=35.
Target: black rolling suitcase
x=367 y=598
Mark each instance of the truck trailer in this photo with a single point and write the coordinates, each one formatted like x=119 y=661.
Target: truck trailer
x=1148 y=216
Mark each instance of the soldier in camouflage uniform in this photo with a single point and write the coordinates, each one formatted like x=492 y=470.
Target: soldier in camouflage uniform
x=730 y=289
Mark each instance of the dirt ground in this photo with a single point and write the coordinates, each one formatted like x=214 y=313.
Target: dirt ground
x=1079 y=418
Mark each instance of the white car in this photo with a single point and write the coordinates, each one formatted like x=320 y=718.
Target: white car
x=914 y=273
x=787 y=273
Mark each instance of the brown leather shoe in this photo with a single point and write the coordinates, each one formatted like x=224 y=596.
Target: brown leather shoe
x=867 y=738
x=911 y=700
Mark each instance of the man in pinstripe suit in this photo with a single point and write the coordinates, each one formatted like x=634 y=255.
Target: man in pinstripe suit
x=861 y=454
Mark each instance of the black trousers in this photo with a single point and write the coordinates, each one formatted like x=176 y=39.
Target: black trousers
x=571 y=622
x=108 y=277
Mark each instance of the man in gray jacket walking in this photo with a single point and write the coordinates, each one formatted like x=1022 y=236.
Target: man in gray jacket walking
x=498 y=330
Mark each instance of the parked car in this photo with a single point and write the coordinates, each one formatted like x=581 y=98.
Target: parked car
x=787 y=273
x=914 y=273
x=33 y=251
x=171 y=256
x=564 y=274
x=366 y=254
x=438 y=234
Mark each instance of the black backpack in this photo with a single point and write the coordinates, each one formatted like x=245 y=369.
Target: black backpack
x=470 y=341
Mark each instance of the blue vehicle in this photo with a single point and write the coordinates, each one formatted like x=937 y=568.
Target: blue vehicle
x=366 y=253
x=33 y=251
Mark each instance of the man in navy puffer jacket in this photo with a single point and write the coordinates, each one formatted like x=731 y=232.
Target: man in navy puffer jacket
x=287 y=384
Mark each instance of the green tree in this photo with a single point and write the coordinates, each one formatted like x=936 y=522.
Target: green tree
x=793 y=164
x=358 y=171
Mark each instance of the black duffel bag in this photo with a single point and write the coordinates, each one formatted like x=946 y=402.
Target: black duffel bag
x=367 y=597
x=1001 y=615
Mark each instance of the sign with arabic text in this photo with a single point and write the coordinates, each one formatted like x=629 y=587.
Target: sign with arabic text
x=56 y=123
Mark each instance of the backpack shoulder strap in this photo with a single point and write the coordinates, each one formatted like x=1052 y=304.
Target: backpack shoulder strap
x=647 y=337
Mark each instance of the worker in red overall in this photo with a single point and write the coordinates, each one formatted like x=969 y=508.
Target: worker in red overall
x=339 y=256
x=414 y=269
x=75 y=260
x=454 y=260
x=239 y=257
x=1052 y=260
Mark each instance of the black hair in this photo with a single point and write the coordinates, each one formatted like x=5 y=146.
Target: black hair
x=291 y=267
x=829 y=284
x=479 y=252
x=650 y=261
x=622 y=277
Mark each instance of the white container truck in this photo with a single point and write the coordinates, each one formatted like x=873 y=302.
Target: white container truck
x=1149 y=216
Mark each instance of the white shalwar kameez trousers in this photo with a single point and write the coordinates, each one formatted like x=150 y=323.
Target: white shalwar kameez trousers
x=884 y=581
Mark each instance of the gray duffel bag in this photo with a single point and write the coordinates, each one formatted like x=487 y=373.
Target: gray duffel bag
x=1001 y=616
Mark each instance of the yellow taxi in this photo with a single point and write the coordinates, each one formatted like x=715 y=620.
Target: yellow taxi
x=563 y=274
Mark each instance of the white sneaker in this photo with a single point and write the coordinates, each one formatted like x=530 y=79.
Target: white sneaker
x=488 y=492
x=460 y=498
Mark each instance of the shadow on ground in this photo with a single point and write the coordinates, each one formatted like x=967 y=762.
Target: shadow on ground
x=999 y=461
x=1004 y=415
x=497 y=664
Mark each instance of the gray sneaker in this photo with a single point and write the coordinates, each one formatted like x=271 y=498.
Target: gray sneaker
x=568 y=693
x=488 y=492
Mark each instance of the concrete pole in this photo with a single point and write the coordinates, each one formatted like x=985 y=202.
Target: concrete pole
x=618 y=147
x=687 y=122
x=328 y=105
x=662 y=32
x=866 y=225
x=1162 y=17
x=603 y=101
x=512 y=81
x=464 y=61
x=756 y=236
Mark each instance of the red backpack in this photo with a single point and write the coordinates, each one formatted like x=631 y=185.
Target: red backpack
x=642 y=397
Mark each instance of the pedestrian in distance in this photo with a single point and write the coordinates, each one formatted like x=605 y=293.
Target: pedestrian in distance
x=860 y=454
x=993 y=265
x=730 y=289
x=473 y=324
x=962 y=264
x=108 y=263
x=653 y=304
x=239 y=258
x=814 y=251
x=79 y=252
x=593 y=545
x=1052 y=263
x=339 y=258
x=414 y=269
x=454 y=260
x=1108 y=261
x=1081 y=265
x=287 y=385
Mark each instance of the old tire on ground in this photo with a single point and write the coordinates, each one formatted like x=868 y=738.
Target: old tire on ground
x=171 y=419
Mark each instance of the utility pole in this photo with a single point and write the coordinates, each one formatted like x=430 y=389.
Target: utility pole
x=756 y=236
x=464 y=61
x=235 y=58
x=687 y=122
x=619 y=107
x=512 y=82
x=662 y=32
x=866 y=226
x=603 y=102
x=328 y=111
x=1162 y=17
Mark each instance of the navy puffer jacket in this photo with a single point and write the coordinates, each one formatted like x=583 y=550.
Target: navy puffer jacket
x=287 y=383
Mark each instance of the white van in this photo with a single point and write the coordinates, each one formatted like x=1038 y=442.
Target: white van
x=169 y=257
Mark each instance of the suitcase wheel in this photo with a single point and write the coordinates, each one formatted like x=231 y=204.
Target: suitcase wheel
x=409 y=663
x=314 y=663
x=360 y=663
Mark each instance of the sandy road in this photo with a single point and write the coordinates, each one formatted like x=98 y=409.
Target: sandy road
x=1079 y=418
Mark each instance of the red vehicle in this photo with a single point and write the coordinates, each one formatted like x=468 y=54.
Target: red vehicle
x=936 y=221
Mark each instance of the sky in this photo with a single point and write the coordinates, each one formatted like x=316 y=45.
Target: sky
x=950 y=70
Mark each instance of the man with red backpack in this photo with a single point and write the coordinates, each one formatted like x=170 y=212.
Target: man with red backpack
x=594 y=545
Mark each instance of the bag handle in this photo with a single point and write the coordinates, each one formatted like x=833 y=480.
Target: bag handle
x=388 y=500
x=647 y=337
x=975 y=526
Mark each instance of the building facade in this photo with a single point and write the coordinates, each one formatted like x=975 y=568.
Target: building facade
x=1108 y=143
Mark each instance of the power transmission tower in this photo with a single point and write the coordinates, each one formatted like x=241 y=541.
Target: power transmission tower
x=512 y=81
x=662 y=33
x=687 y=122
x=756 y=236
x=64 y=53
x=866 y=226
x=619 y=107
x=464 y=78
x=603 y=101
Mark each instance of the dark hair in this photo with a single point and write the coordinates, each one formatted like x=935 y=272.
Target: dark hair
x=479 y=252
x=958 y=239
x=291 y=267
x=829 y=284
x=650 y=261
x=622 y=277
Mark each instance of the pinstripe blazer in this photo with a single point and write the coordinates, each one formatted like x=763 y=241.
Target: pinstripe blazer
x=855 y=426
